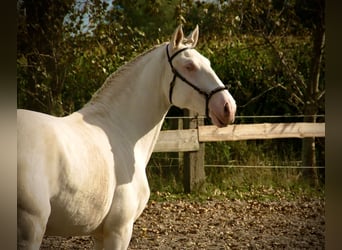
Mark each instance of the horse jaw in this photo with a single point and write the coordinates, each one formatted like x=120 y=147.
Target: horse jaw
x=222 y=109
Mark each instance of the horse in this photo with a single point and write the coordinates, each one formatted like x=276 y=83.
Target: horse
x=84 y=173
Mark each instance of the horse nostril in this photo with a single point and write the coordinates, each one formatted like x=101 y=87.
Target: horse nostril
x=226 y=108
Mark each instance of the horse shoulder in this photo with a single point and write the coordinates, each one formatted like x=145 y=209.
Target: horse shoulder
x=87 y=163
x=72 y=168
x=35 y=145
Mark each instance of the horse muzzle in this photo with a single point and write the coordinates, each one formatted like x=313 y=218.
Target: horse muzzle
x=222 y=109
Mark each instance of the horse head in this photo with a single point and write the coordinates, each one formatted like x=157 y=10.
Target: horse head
x=195 y=85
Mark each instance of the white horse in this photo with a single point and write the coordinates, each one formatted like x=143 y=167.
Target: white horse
x=84 y=174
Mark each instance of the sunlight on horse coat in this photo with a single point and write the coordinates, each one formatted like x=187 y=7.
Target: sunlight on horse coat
x=84 y=174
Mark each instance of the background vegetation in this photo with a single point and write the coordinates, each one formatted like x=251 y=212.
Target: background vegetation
x=271 y=53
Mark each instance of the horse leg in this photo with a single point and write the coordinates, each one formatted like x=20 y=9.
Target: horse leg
x=114 y=239
x=98 y=242
x=119 y=238
x=33 y=211
x=118 y=225
x=31 y=228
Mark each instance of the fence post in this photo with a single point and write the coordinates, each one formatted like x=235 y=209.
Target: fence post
x=193 y=170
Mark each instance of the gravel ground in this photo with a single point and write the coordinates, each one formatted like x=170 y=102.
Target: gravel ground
x=221 y=224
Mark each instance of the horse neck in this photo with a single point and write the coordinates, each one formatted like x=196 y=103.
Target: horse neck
x=132 y=101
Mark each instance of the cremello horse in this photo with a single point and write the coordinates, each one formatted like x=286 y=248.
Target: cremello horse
x=84 y=174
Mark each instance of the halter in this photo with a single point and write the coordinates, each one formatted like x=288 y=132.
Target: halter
x=177 y=74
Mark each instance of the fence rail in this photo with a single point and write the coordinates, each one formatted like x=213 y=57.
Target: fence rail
x=189 y=139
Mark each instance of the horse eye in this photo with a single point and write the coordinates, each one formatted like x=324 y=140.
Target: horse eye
x=190 y=66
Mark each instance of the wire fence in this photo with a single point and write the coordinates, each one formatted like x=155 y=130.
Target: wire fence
x=251 y=116
x=274 y=167
x=291 y=165
x=243 y=166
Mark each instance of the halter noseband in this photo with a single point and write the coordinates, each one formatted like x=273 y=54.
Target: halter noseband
x=177 y=74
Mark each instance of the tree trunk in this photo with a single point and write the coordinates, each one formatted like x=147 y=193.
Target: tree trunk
x=311 y=105
x=309 y=149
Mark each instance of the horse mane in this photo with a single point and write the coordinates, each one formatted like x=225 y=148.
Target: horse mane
x=114 y=78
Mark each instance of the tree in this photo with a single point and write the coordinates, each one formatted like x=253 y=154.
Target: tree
x=40 y=36
x=313 y=16
x=62 y=58
x=307 y=88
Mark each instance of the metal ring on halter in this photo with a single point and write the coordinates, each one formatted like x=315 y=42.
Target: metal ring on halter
x=177 y=74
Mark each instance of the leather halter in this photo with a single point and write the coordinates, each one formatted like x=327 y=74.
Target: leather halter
x=177 y=74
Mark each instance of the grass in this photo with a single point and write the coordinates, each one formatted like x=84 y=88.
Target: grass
x=242 y=184
x=165 y=173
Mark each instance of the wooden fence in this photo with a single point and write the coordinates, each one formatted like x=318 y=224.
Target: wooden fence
x=192 y=141
x=189 y=139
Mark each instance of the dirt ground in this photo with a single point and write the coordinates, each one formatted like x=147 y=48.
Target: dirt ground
x=221 y=224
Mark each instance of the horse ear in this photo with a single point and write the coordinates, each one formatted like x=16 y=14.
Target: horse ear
x=177 y=37
x=193 y=37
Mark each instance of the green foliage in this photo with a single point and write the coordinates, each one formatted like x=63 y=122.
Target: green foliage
x=62 y=64
x=261 y=49
x=249 y=67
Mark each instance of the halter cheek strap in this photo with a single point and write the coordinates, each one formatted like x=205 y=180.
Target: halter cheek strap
x=177 y=74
